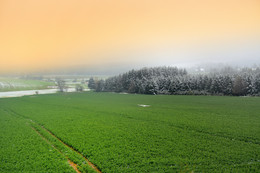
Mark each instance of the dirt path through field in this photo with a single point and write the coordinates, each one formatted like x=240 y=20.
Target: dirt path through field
x=89 y=163
x=74 y=150
x=72 y=164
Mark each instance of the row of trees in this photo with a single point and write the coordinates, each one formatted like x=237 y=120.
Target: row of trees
x=62 y=87
x=171 y=80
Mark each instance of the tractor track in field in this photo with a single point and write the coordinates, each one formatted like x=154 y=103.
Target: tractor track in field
x=89 y=163
x=72 y=164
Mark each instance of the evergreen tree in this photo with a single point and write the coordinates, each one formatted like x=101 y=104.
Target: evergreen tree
x=91 y=83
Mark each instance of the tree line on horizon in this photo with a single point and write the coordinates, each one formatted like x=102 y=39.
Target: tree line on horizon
x=177 y=81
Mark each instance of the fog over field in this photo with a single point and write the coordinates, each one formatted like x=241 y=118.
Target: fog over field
x=110 y=37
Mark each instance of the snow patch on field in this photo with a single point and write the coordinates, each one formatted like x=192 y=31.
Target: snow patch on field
x=15 y=85
x=24 y=93
x=33 y=92
x=141 y=105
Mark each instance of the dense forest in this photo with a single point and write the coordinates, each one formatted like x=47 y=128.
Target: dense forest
x=173 y=80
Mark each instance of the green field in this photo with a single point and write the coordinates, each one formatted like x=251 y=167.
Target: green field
x=173 y=134
x=16 y=84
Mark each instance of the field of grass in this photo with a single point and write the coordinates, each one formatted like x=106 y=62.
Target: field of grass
x=23 y=150
x=173 y=134
x=15 y=84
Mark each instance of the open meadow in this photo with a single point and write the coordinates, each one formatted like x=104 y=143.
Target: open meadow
x=110 y=132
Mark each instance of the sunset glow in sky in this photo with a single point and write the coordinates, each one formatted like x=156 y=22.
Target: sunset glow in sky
x=41 y=35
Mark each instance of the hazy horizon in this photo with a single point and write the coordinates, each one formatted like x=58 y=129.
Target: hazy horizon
x=116 y=36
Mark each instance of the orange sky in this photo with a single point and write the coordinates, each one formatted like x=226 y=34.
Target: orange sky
x=38 y=35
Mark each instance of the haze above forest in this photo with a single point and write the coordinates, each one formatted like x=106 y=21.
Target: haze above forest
x=110 y=37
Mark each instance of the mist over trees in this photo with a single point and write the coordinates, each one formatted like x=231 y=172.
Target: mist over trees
x=176 y=81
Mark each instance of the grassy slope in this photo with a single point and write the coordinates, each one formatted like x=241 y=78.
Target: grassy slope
x=13 y=84
x=177 y=133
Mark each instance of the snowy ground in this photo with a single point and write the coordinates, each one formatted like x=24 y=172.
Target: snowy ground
x=15 y=84
x=32 y=92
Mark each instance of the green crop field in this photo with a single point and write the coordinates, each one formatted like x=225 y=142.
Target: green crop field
x=117 y=134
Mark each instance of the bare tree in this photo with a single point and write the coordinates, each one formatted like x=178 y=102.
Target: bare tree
x=79 y=88
x=61 y=85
